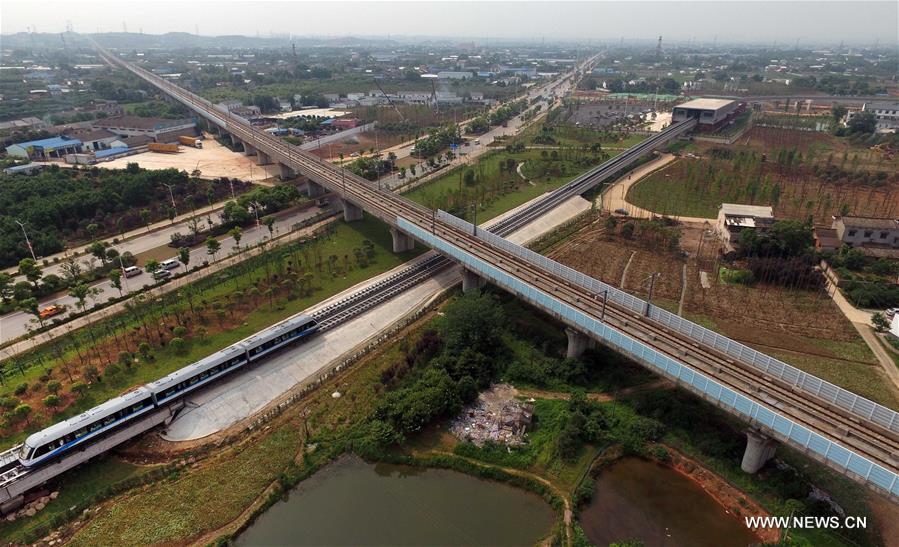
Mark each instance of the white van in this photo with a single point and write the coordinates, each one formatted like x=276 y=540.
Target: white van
x=170 y=264
x=131 y=271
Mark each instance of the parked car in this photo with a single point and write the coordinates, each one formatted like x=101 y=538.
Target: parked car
x=159 y=275
x=891 y=312
x=50 y=311
x=170 y=264
x=132 y=271
x=622 y=212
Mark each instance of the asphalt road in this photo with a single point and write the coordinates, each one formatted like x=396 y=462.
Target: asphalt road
x=16 y=324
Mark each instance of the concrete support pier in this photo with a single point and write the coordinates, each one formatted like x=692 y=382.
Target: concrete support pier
x=248 y=150
x=759 y=449
x=262 y=158
x=351 y=212
x=401 y=242
x=286 y=172
x=577 y=343
x=471 y=281
x=314 y=189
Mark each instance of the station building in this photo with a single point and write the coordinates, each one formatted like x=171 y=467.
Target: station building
x=709 y=112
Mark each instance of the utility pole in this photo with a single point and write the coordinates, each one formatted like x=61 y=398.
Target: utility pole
x=27 y=241
x=652 y=282
x=605 y=297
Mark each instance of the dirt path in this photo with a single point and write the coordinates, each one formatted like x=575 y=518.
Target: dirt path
x=599 y=397
x=616 y=196
x=626 y=266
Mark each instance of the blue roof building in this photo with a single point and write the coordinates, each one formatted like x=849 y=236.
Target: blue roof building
x=45 y=149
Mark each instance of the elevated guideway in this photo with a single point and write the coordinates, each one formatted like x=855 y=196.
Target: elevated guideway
x=853 y=435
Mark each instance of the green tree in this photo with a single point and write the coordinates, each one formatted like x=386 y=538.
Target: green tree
x=212 y=247
x=152 y=267
x=30 y=305
x=23 y=412
x=30 y=269
x=6 y=287
x=474 y=322
x=237 y=234
x=115 y=279
x=862 y=122
x=184 y=256
x=269 y=222
x=145 y=218
x=52 y=402
x=53 y=386
x=81 y=292
x=880 y=322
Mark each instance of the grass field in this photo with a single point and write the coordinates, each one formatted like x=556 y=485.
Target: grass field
x=498 y=191
x=80 y=485
x=346 y=238
x=665 y=192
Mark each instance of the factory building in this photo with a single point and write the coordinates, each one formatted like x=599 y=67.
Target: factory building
x=45 y=149
x=711 y=112
x=159 y=129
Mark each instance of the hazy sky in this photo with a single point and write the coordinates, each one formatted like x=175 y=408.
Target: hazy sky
x=729 y=21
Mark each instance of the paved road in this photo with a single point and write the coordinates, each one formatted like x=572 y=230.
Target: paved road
x=16 y=324
x=243 y=395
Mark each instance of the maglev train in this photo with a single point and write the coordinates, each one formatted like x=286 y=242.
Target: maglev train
x=90 y=426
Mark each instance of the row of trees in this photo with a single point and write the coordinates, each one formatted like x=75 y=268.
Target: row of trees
x=60 y=205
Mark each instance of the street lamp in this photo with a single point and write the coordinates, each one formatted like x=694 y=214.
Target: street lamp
x=27 y=241
x=122 y=265
x=256 y=206
x=171 y=195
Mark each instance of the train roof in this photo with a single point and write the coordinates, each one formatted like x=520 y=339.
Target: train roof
x=195 y=368
x=275 y=330
x=89 y=416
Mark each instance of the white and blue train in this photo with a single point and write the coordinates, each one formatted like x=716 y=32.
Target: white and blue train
x=92 y=425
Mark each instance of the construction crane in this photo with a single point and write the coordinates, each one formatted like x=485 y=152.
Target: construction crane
x=386 y=96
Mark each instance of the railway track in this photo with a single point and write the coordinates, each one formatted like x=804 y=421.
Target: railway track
x=879 y=444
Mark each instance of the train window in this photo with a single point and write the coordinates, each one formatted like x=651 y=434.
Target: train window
x=95 y=426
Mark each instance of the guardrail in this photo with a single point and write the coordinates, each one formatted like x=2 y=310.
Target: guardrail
x=814 y=444
x=861 y=407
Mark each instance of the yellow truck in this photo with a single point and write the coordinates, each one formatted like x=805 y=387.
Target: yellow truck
x=194 y=142
x=163 y=148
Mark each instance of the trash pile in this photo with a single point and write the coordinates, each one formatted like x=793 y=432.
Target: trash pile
x=495 y=416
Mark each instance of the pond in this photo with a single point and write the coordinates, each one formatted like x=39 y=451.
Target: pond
x=351 y=502
x=639 y=499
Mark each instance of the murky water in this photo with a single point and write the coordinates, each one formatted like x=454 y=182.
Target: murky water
x=351 y=502
x=638 y=499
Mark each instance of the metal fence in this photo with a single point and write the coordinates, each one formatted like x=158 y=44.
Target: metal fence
x=815 y=444
x=864 y=408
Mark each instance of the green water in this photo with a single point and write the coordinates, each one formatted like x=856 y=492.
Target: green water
x=351 y=502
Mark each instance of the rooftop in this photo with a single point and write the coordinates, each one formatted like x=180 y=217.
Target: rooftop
x=739 y=210
x=136 y=122
x=53 y=142
x=706 y=104
x=870 y=222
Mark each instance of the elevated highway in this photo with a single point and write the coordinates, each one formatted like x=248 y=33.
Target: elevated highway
x=853 y=435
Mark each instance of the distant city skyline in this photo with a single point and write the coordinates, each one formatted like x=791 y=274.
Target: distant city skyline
x=783 y=22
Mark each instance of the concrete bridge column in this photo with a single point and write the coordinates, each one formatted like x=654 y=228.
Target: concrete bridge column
x=759 y=449
x=314 y=189
x=262 y=158
x=577 y=343
x=401 y=242
x=248 y=150
x=286 y=172
x=351 y=212
x=471 y=281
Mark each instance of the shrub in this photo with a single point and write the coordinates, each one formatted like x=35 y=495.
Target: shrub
x=21 y=388
x=78 y=388
x=178 y=346
x=53 y=386
x=8 y=403
x=112 y=369
x=91 y=374
x=125 y=358
x=144 y=349
x=179 y=331
x=51 y=401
